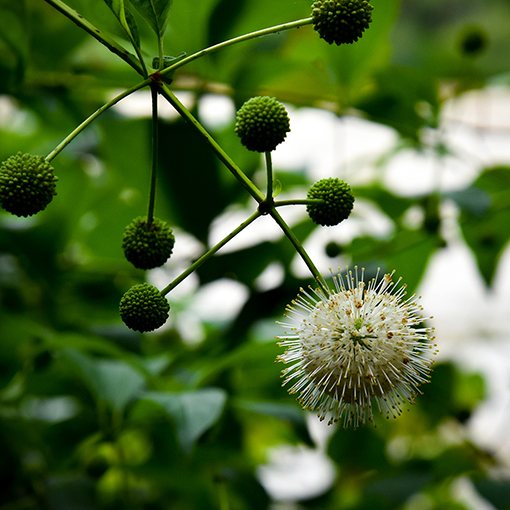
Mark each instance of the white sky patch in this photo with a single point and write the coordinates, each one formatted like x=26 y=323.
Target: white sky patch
x=327 y=145
x=216 y=111
x=295 y=473
x=139 y=104
x=220 y=300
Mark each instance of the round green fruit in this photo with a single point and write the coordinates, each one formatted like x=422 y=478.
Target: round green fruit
x=262 y=123
x=143 y=308
x=147 y=246
x=27 y=184
x=338 y=201
x=341 y=21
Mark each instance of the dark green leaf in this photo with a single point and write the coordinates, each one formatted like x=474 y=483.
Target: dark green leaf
x=14 y=30
x=486 y=223
x=112 y=381
x=155 y=13
x=190 y=177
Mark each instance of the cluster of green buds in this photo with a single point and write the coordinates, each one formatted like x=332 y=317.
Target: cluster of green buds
x=27 y=183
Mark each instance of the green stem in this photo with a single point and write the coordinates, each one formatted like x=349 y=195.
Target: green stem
x=104 y=39
x=209 y=254
x=222 y=155
x=70 y=137
x=269 y=169
x=297 y=245
x=155 y=145
x=235 y=40
x=161 y=54
x=300 y=201
x=223 y=495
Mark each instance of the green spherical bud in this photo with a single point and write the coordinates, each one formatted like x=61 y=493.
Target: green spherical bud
x=338 y=201
x=262 y=123
x=143 y=308
x=147 y=247
x=341 y=21
x=27 y=184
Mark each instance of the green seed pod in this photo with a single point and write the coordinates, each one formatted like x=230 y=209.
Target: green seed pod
x=341 y=21
x=27 y=184
x=262 y=123
x=338 y=198
x=143 y=308
x=150 y=247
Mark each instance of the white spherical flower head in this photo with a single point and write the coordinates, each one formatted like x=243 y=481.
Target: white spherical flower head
x=354 y=344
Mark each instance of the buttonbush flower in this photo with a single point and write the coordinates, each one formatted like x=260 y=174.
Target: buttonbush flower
x=355 y=344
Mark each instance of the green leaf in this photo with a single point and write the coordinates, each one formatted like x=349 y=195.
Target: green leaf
x=112 y=381
x=486 y=223
x=495 y=491
x=408 y=252
x=393 y=205
x=126 y=19
x=155 y=13
x=193 y=412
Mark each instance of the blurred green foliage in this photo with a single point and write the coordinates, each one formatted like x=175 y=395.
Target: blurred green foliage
x=94 y=416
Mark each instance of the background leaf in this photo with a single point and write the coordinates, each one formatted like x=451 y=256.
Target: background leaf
x=112 y=381
x=192 y=412
x=486 y=221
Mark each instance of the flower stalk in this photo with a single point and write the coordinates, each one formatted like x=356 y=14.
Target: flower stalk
x=71 y=136
x=155 y=142
x=222 y=155
x=210 y=253
x=242 y=38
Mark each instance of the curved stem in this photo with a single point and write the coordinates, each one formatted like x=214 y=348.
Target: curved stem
x=104 y=39
x=297 y=245
x=71 y=136
x=300 y=201
x=155 y=145
x=209 y=254
x=224 y=157
x=246 y=37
